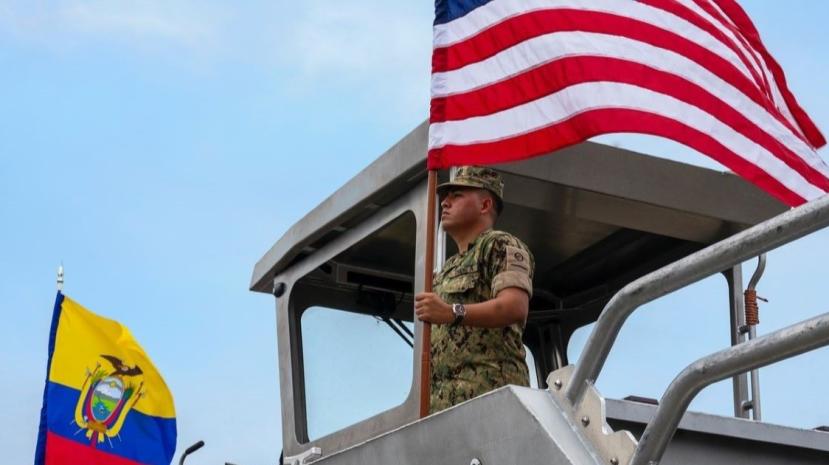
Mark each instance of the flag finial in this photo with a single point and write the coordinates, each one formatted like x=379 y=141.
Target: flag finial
x=60 y=277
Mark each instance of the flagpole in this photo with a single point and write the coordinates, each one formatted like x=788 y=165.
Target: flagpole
x=426 y=339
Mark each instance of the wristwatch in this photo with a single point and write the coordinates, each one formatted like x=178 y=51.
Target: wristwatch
x=459 y=311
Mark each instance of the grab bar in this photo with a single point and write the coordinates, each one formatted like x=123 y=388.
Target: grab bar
x=765 y=350
x=726 y=253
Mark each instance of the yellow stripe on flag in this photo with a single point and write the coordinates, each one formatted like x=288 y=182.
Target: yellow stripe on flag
x=83 y=337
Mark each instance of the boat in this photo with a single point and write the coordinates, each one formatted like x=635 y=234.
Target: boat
x=605 y=242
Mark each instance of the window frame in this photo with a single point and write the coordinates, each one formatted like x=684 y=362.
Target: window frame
x=320 y=299
x=289 y=336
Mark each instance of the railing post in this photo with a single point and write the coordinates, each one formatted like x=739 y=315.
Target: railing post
x=734 y=277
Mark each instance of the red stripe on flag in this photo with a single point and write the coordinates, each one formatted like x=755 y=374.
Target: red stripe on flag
x=62 y=451
x=557 y=75
x=717 y=15
x=681 y=11
x=520 y=28
x=605 y=121
x=739 y=17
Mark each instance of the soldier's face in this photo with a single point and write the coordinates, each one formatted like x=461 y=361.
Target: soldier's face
x=461 y=208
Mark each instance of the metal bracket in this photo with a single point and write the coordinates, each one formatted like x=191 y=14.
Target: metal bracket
x=304 y=458
x=613 y=447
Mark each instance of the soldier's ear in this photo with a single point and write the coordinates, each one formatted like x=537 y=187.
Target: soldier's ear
x=487 y=203
x=493 y=207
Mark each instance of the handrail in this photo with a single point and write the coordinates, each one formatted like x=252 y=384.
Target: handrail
x=738 y=248
x=765 y=350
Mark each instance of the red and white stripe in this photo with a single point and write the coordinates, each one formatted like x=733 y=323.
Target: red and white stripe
x=514 y=79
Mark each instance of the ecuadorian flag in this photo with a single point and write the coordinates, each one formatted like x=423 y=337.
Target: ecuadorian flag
x=104 y=401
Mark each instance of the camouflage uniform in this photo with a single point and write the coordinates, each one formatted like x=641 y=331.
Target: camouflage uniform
x=469 y=361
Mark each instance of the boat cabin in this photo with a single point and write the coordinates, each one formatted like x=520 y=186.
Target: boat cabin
x=596 y=218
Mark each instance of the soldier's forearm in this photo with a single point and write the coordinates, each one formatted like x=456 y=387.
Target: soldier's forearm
x=508 y=307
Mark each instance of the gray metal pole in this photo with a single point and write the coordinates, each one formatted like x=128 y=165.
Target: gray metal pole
x=779 y=345
x=756 y=411
x=60 y=278
x=715 y=258
x=734 y=276
x=758 y=272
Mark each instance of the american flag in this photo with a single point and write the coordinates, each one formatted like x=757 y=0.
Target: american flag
x=513 y=79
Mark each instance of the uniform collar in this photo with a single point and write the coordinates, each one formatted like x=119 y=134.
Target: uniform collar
x=474 y=241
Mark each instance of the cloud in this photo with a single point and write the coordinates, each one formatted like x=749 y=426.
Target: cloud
x=136 y=24
x=375 y=52
x=137 y=19
x=379 y=45
x=356 y=38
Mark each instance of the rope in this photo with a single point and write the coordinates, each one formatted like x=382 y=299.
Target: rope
x=752 y=308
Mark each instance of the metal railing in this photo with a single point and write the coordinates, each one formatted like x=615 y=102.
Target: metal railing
x=738 y=248
x=765 y=350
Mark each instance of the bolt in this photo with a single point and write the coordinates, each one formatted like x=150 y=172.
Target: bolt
x=475 y=462
x=557 y=383
x=614 y=461
x=585 y=420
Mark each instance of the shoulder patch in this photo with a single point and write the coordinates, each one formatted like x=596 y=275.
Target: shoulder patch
x=517 y=260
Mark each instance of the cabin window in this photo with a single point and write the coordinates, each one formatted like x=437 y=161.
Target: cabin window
x=357 y=329
x=355 y=367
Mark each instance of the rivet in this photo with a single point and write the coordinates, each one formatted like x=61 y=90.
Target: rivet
x=557 y=384
x=475 y=461
x=614 y=461
x=585 y=420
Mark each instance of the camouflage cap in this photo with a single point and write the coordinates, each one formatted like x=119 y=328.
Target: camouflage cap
x=480 y=177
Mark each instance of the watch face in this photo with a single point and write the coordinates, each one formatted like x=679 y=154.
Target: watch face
x=459 y=311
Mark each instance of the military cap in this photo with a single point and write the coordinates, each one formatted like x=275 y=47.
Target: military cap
x=480 y=177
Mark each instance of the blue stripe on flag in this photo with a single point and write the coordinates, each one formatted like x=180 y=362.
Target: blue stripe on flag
x=143 y=438
x=449 y=10
x=40 y=450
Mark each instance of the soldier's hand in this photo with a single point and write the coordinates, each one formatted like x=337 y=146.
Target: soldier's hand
x=432 y=309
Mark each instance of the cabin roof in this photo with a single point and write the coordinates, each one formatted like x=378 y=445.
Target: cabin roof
x=588 y=197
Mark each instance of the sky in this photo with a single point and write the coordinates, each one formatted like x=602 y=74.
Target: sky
x=158 y=149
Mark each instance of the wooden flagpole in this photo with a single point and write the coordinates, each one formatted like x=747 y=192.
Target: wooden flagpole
x=429 y=266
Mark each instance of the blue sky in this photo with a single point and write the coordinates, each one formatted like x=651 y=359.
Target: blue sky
x=158 y=149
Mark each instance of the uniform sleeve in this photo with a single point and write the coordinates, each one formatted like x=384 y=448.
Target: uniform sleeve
x=511 y=265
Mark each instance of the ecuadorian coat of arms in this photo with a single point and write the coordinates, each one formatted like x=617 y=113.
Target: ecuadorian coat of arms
x=107 y=396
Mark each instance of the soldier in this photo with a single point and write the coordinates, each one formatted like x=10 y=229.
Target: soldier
x=481 y=296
